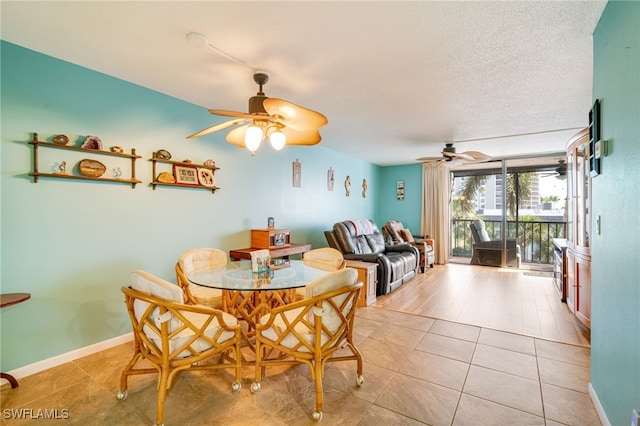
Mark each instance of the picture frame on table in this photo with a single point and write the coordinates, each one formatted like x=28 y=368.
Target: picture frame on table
x=186 y=175
x=206 y=177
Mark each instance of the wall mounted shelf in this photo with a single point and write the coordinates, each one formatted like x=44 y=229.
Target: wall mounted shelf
x=155 y=182
x=36 y=173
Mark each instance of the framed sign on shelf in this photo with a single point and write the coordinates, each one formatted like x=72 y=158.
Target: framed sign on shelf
x=185 y=175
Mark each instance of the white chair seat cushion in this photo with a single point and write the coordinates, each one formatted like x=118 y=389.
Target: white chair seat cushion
x=202 y=259
x=291 y=340
x=325 y=284
x=206 y=295
x=147 y=283
x=200 y=345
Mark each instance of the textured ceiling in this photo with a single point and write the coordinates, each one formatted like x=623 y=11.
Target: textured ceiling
x=395 y=79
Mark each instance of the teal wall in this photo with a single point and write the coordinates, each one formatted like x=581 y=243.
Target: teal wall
x=615 y=273
x=73 y=244
x=408 y=210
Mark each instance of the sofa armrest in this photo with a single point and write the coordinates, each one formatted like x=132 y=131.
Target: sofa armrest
x=398 y=247
x=368 y=257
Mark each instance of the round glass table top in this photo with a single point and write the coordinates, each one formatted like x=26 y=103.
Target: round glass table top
x=239 y=276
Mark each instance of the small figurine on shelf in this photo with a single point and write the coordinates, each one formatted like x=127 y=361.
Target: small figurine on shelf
x=60 y=168
x=117 y=149
x=117 y=172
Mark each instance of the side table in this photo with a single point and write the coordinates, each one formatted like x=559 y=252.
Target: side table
x=285 y=251
x=368 y=274
x=8 y=300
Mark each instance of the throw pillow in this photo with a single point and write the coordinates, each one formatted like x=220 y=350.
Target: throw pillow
x=406 y=235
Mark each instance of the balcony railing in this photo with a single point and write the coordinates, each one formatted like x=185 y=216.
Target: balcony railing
x=534 y=237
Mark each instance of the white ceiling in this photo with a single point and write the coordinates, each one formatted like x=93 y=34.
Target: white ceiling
x=395 y=79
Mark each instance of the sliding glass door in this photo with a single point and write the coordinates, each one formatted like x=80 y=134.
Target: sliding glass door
x=521 y=202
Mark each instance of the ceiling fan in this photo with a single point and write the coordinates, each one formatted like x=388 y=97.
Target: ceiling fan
x=449 y=154
x=280 y=121
x=560 y=172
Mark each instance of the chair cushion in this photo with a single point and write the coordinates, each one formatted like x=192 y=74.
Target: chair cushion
x=330 y=318
x=291 y=340
x=206 y=295
x=147 y=283
x=481 y=230
x=406 y=235
x=201 y=259
x=325 y=258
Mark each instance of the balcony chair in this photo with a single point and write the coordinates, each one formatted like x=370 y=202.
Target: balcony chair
x=198 y=260
x=311 y=331
x=360 y=239
x=488 y=252
x=394 y=232
x=174 y=337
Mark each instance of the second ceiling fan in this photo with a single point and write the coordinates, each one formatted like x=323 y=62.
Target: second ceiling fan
x=449 y=154
x=280 y=121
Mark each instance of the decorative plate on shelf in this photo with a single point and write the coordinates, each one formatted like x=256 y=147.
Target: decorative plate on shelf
x=206 y=177
x=60 y=139
x=92 y=142
x=91 y=168
x=163 y=154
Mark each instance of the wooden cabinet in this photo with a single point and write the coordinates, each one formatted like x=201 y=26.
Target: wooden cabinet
x=270 y=238
x=368 y=275
x=579 y=227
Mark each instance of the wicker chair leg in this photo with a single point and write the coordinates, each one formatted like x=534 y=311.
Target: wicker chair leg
x=318 y=375
x=162 y=395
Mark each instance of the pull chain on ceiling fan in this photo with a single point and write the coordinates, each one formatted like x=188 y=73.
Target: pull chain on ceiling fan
x=280 y=121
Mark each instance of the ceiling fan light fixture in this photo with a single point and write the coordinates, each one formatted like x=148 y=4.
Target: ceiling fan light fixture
x=253 y=137
x=278 y=140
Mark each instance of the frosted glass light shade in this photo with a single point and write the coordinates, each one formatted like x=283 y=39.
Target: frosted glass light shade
x=278 y=140
x=253 y=137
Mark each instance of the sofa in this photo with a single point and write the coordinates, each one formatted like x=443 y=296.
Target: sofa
x=362 y=240
x=394 y=233
x=488 y=252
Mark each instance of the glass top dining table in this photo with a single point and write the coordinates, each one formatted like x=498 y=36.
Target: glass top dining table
x=238 y=276
x=248 y=295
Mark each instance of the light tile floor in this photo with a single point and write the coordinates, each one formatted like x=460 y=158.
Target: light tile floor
x=417 y=370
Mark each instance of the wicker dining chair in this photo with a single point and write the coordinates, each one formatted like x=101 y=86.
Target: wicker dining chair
x=198 y=260
x=175 y=337
x=324 y=258
x=311 y=331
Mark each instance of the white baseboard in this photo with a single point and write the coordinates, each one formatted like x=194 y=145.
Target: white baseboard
x=45 y=364
x=598 y=406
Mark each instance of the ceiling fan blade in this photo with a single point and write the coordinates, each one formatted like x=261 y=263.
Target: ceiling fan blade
x=461 y=155
x=300 y=137
x=228 y=113
x=478 y=156
x=218 y=127
x=295 y=117
x=429 y=159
